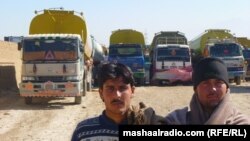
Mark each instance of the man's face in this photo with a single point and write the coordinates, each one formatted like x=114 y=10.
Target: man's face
x=211 y=92
x=116 y=96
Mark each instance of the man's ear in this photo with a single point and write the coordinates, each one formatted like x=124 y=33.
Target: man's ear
x=195 y=90
x=100 y=94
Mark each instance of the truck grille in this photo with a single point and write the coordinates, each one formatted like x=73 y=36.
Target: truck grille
x=50 y=78
x=235 y=69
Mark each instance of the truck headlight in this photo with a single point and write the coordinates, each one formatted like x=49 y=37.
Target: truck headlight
x=28 y=78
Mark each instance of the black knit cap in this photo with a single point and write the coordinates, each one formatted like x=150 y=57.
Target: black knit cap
x=210 y=68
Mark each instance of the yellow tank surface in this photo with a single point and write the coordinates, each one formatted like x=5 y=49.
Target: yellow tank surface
x=244 y=41
x=62 y=22
x=127 y=36
x=199 y=43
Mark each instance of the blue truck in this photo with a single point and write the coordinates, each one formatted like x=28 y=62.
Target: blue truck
x=126 y=47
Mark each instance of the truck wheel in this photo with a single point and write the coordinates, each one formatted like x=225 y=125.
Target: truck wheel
x=166 y=82
x=237 y=80
x=141 y=81
x=78 y=99
x=154 y=82
x=84 y=88
x=89 y=86
x=28 y=100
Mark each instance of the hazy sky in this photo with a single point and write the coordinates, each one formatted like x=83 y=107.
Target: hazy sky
x=191 y=17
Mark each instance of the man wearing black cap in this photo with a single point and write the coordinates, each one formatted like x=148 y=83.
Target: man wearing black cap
x=210 y=103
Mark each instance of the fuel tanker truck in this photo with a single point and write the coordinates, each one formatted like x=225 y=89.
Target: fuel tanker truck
x=171 y=59
x=126 y=47
x=220 y=43
x=99 y=53
x=57 y=56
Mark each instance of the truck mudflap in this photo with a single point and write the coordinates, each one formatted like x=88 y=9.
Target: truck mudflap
x=50 y=89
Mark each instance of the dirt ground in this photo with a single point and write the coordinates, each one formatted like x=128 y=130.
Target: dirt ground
x=52 y=119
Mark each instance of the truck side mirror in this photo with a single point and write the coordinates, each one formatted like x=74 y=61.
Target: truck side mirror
x=19 y=46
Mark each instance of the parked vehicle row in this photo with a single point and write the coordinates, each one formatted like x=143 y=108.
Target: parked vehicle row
x=61 y=59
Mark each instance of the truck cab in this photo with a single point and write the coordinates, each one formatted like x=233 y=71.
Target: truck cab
x=52 y=67
x=171 y=58
x=171 y=63
x=231 y=53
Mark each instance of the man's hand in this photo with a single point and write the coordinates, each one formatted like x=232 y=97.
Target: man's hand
x=136 y=115
x=142 y=115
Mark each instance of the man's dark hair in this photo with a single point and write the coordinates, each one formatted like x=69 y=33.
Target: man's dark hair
x=115 y=70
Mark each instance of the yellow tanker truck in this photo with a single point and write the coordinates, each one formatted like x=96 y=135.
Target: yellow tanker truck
x=220 y=43
x=127 y=36
x=57 y=56
x=126 y=47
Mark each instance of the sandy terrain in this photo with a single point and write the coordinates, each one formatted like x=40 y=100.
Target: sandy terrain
x=53 y=119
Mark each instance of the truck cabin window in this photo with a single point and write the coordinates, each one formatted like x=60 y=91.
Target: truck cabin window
x=173 y=54
x=125 y=51
x=221 y=50
x=50 y=49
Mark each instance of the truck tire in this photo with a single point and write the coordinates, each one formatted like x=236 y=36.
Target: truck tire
x=28 y=100
x=84 y=87
x=89 y=86
x=237 y=80
x=89 y=81
x=154 y=82
x=78 y=99
x=141 y=81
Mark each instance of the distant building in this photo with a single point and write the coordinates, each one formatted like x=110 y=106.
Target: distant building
x=16 y=39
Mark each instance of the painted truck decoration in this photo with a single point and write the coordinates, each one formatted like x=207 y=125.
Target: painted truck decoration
x=221 y=43
x=171 y=60
x=126 y=46
x=57 y=56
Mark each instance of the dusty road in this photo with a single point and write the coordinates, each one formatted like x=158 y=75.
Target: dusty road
x=55 y=119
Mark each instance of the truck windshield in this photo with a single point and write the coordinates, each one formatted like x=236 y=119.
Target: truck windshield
x=173 y=54
x=222 y=50
x=125 y=50
x=49 y=49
